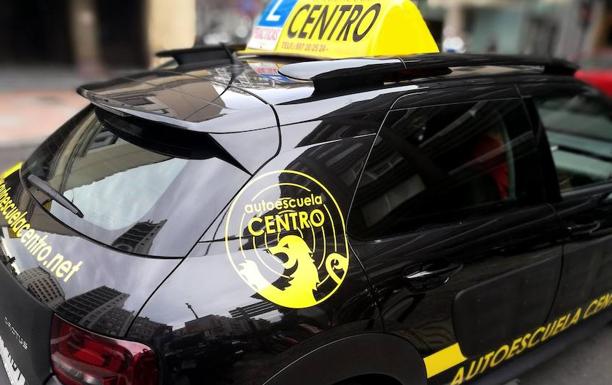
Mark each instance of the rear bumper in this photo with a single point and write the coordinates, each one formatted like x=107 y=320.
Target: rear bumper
x=25 y=327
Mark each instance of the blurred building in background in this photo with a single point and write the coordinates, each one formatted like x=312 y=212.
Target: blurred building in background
x=93 y=34
x=571 y=29
x=227 y=21
x=97 y=35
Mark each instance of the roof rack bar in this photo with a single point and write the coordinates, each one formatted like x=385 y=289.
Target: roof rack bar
x=449 y=60
x=203 y=54
x=333 y=70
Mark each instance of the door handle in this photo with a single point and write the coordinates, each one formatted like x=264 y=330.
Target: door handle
x=431 y=276
x=584 y=229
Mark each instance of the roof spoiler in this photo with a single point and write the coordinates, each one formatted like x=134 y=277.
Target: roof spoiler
x=327 y=73
x=177 y=142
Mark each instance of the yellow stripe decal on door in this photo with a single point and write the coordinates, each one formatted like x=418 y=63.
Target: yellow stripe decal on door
x=443 y=360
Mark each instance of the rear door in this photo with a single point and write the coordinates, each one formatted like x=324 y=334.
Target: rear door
x=577 y=119
x=451 y=223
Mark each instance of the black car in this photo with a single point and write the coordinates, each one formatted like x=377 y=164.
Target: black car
x=243 y=219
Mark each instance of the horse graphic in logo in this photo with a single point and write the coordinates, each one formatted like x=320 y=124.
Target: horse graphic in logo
x=304 y=280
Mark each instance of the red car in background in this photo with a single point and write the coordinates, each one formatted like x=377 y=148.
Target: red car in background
x=597 y=71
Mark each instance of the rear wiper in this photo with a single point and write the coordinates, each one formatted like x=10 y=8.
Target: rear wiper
x=54 y=195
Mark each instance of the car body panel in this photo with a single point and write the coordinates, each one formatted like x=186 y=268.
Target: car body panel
x=499 y=274
x=257 y=337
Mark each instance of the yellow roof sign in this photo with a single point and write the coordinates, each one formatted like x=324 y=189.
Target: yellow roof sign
x=335 y=29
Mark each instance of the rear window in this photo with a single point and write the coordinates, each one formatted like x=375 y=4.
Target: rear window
x=134 y=196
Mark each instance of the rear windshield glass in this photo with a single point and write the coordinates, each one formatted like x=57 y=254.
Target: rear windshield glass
x=132 y=197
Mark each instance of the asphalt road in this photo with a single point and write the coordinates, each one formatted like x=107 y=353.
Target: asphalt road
x=588 y=362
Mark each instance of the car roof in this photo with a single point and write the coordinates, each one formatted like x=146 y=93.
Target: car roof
x=196 y=89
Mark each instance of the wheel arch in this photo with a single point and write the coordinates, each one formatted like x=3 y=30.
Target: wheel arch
x=354 y=357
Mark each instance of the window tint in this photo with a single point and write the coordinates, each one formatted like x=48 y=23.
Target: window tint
x=580 y=134
x=438 y=165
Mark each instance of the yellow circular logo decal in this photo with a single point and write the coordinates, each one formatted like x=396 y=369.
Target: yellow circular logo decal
x=285 y=236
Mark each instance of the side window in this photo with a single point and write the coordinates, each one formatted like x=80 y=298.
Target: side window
x=440 y=165
x=579 y=128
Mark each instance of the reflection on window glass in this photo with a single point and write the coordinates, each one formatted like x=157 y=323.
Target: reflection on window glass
x=431 y=166
x=580 y=134
x=100 y=170
x=133 y=198
x=99 y=200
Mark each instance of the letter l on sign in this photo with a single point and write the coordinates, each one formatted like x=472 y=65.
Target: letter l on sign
x=272 y=16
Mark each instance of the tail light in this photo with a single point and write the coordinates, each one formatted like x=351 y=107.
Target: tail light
x=83 y=358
